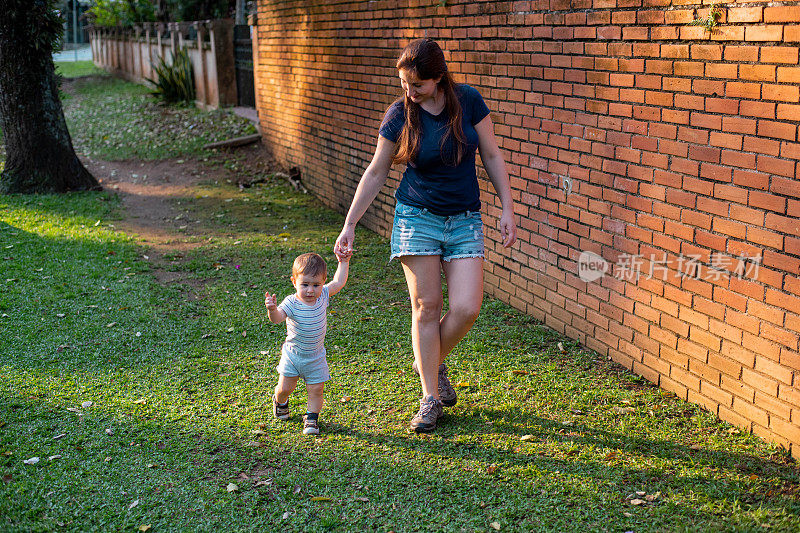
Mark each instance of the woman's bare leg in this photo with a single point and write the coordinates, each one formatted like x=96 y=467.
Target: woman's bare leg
x=465 y=294
x=423 y=276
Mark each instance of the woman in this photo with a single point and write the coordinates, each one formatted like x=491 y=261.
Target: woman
x=434 y=129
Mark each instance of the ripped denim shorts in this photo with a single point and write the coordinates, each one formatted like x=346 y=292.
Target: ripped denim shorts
x=417 y=231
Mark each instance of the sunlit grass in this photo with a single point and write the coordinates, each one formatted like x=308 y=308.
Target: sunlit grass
x=76 y=69
x=180 y=393
x=547 y=436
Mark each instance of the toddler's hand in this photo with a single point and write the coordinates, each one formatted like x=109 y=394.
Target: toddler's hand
x=271 y=300
x=343 y=256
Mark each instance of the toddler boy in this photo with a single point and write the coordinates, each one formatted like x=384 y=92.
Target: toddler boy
x=303 y=352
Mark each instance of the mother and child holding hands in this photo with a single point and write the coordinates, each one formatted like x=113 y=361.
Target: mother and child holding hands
x=434 y=129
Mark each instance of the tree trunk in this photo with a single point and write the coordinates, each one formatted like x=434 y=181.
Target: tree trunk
x=39 y=152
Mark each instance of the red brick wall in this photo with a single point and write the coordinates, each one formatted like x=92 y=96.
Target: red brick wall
x=681 y=146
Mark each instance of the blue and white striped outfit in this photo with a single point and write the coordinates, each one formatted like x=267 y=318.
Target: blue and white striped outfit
x=303 y=351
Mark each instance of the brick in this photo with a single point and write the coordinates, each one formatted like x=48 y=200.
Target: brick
x=757 y=72
x=782 y=14
x=734 y=124
x=750 y=411
x=789 y=430
x=735 y=89
x=780 y=54
x=745 y=14
x=741 y=53
x=783 y=93
x=780 y=130
x=763 y=33
x=786 y=186
x=773 y=405
x=759 y=381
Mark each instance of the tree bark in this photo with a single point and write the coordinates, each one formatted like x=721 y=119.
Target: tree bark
x=39 y=153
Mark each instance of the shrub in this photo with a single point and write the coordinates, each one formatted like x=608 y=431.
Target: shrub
x=174 y=81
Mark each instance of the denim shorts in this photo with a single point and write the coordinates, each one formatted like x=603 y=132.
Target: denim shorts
x=417 y=231
x=313 y=369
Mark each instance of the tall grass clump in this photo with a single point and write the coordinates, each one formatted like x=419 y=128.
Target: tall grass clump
x=174 y=81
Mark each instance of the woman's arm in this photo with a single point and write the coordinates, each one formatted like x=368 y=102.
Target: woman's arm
x=495 y=166
x=368 y=188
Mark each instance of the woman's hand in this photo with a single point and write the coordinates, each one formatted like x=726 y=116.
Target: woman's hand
x=508 y=229
x=344 y=243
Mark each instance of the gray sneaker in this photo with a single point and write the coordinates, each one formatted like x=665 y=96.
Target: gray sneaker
x=310 y=427
x=430 y=410
x=446 y=391
x=281 y=413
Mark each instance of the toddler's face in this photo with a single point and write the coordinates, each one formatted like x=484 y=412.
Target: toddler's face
x=308 y=287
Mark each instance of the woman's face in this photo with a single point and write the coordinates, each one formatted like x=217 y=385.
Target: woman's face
x=418 y=90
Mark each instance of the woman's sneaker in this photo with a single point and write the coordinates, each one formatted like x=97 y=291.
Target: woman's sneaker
x=430 y=410
x=310 y=426
x=446 y=391
x=281 y=412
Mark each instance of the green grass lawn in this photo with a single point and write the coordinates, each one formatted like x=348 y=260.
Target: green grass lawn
x=76 y=69
x=179 y=433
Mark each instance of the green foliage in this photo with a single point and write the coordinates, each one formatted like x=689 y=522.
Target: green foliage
x=711 y=21
x=174 y=80
x=37 y=22
x=112 y=13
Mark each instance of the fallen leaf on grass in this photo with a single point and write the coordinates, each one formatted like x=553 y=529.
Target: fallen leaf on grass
x=87 y=404
x=231 y=329
x=495 y=526
x=297 y=489
x=109 y=431
x=107 y=459
x=345 y=399
x=133 y=504
x=140 y=401
x=463 y=384
x=111 y=324
x=527 y=438
x=361 y=499
x=31 y=461
x=206 y=335
x=637 y=501
x=258 y=432
x=624 y=410
x=144 y=528
x=520 y=372
x=53 y=457
x=60 y=436
x=610 y=456
x=285 y=515
x=320 y=499
x=491 y=469
x=232 y=487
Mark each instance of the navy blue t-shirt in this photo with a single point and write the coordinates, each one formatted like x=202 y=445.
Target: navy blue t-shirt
x=428 y=181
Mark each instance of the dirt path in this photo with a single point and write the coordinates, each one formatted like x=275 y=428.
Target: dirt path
x=150 y=190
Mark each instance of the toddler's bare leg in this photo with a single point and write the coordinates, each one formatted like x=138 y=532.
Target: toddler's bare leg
x=315 y=397
x=284 y=388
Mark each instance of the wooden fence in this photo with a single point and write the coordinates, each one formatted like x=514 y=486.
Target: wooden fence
x=131 y=54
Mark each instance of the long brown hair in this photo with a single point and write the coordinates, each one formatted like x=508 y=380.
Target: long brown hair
x=425 y=60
